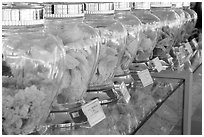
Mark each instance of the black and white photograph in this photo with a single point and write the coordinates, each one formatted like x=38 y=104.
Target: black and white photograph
x=101 y=67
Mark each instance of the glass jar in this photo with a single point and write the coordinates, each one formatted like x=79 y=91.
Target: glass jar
x=194 y=17
x=169 y=29
x=133 y=27
x=36 y=61
x=150 y=23
x=81 y=42
x=177 y=7
x=187 y=25
x=113 y=39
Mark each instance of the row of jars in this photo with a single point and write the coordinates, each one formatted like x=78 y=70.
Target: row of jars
x=78 y=47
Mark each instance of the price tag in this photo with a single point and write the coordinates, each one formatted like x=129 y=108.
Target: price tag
x=145 y=77
x=171 y=86
x=78 y=116
x=125 y=92
x=93 y=112
x=157 y=64
x=188 y=47
x=195 y=43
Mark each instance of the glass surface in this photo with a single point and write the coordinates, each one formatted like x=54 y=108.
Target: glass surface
x=167 y=120
x=126 y=118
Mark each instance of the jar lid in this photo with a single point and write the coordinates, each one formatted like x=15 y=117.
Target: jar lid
x=161 y=4
x=122 y=6
x=22 y=15
x=63 y=10
x=141 y=5
x=99 y=8
x=186 y=4
x=177 y=4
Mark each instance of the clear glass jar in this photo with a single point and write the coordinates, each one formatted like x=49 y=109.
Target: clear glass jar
x=81 y=42
x=177 y=7
x=187 y=25
x=36 y=61
x=133 y=27
x=169 y=28
x=113 y=39
x=150 y=24
x=194 y=17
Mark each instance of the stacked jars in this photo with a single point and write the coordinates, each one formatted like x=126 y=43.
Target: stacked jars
x=134 y=33
x=81 y=43
x=36 y=61
x=150 y=24
x=113 y=39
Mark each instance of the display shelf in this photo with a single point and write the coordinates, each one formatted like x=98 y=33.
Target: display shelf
x=143 y=103
x=159 y=104
x=182 y=79
x=84 y=71
x=187 y=91
x=149 y=126
x=186 y=76
x=196 y=60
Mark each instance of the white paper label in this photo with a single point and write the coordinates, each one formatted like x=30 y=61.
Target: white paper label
x=195 y=42
x=125 y=92
x=188 y=47
x=75 y=114
x=157 y=64
x=171 y=86
x=145 y=77
x=93 y=112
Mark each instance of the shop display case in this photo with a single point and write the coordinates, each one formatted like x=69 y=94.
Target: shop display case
x=64 y=75
x=168 y=98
